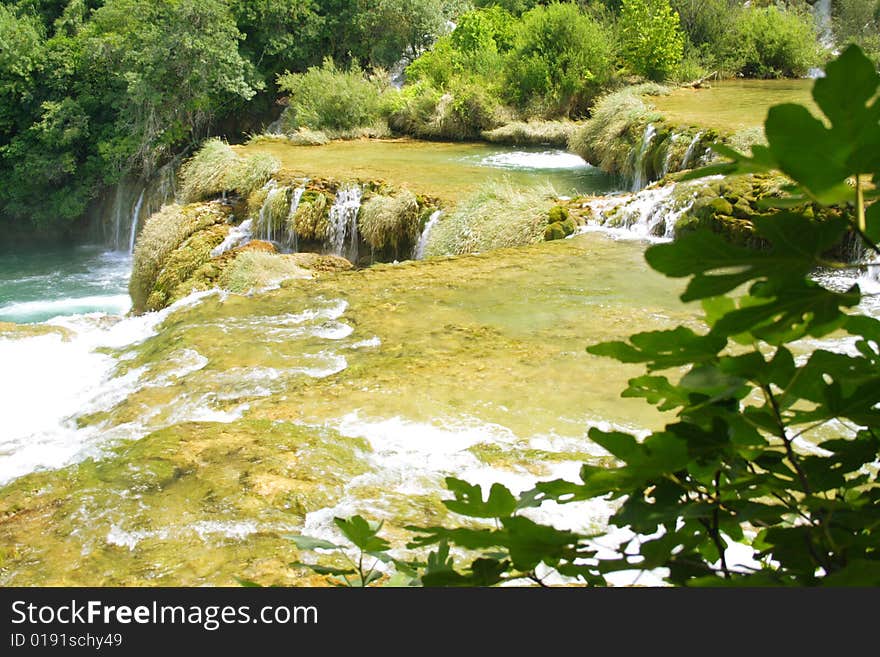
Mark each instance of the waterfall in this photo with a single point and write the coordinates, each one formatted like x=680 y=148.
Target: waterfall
x=419 y=251
x=133 y=201
x=640 y=174
x=343 y=222
x=649 y=214
x=691 y=149
x=237 y=236
x=266 y=217
x=295 y=198
x=822 y=18
x=135 y=219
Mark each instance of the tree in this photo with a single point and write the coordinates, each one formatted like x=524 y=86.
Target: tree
x=560 y=60
x=651 y=37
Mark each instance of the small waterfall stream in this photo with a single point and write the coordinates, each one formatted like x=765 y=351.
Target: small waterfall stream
x=295 y=198
x=134 y=200
x=421 y=245
x=640 y=173
x=343 y=223
x=135 y=220
x=266 y=218
x=691 y=149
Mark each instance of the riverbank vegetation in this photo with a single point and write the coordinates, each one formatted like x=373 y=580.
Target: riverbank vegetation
x=92 y=92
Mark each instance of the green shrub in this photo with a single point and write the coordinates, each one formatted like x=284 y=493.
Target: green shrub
x=330 y=98
x=205 y=173
x=390 y=222
x=609 y=137
x=560 y=61
x=216 y=168
x=773 y=43
x=252 y=173
x=651 y=38
x=412 y=108
x=496 y=216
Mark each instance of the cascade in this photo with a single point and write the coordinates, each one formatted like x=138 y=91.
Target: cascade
x=135 y=219
x=691 y=149
x=295 y=198
x=266 y=218
x=133 y=202
x=649 y=214
x=343 y=222
x=419 y=251
x=640 y=175
x=238 y=236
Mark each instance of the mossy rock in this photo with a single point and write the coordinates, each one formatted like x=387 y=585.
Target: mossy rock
x=311 y=219
x=163 y=233
x=390 y=221
x=256 y=270
x=569 y=226
x=173 y=282
x=742 y=209
x=554 y=231
x=258 y=245
x=557 y=214
x=318 y=262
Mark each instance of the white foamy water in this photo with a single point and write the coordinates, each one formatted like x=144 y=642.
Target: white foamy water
x=410 y=459
x=526 y=160
x=59 y=378
x=116 y=304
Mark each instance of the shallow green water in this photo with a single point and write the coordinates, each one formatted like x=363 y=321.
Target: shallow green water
x=246 y=418
x=441 y=169
x=732 y=105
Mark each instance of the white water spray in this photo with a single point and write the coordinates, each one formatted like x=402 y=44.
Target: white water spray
x=343 y=222
x=419 y=251
x=295 y=198
x=640 y=174
x=135 y=220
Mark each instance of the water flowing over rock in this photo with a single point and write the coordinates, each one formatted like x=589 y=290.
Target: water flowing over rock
x=266 y=218
x=640 y=175
x=343 y=238
x=419 y=251
x=688 y=158
x=295 y=198
x=238 y=236
x=133 y=201
x=648 y=214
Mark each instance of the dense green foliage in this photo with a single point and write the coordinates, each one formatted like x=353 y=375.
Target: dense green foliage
x=651 y=37
x=771 y=43
x=92 y=91
x=753 y=41
x=327 y=98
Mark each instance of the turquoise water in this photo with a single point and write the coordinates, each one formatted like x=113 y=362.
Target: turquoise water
x=38 y=285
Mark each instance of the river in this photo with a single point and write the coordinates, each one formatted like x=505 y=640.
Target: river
x=177 y=448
